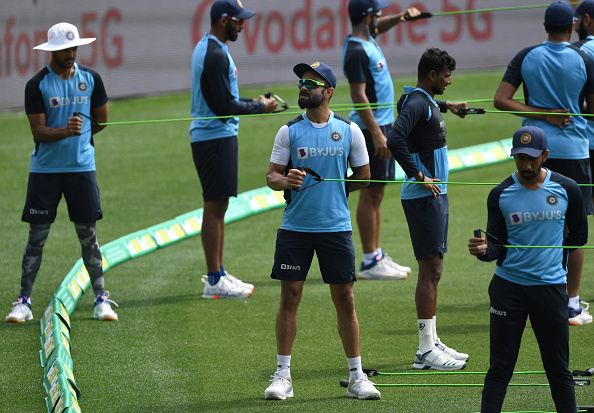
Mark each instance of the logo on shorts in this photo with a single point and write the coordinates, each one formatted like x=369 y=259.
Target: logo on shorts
x=290 y=267
x=498 y=312
x=82 y=86
x=335 y=137
x=38 y=211
x=552 y=200
x=515 y=218
x=54 y=102
x=302 y=153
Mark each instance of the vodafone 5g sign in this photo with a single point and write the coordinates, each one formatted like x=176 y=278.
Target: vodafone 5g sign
x=145 y=46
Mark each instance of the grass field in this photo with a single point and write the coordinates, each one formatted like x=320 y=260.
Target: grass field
x=173 y=351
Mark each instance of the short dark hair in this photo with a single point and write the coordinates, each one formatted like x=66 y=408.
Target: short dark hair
x=558 y=29
x=434 y=59
x=357 y=20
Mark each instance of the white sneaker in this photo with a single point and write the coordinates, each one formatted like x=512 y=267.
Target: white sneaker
x=435 y=359
x=19 y=313
x=223 y=289
x=102 y=310
x=395 y=265
x=451 y=352
x=280 y=389
x=363 y=389
x=580 y=317
x=380 y=270
x=237 y=281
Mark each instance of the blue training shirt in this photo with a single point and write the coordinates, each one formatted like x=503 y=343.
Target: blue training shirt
x=215 y=92
x=556 y=76
x=323 y=207
x=518 y=216
x=58 y=99
x=364 y=62
x=418 y=141
x=587 y=45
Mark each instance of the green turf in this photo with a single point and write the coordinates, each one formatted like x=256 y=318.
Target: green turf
x=173 y=351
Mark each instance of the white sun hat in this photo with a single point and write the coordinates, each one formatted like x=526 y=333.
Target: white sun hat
x=63 y=36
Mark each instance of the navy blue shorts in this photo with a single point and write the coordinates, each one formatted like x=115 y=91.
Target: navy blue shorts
x=216 y=163
x=427 y=220
x=579 y=171
x=295 y=250
x=380 y=170
x=44 y=193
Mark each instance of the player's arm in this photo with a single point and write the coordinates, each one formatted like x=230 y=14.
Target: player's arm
x=100 y=115
x=576 y=219
x=504 y=100
x=453 y=107
x=491 y=247
x=277 y=181
x=361 y=173
x=279 y=159
x=366 y=114
x=43 y=133
x=385 y=23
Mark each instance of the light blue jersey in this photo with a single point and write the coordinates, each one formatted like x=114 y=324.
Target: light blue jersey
x=518 y=216
x=556 y=76
x=58 y=99
x=323 y=207
x=364 y=62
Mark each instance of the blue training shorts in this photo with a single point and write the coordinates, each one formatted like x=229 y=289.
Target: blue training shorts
x=295 y=250
x=216 y=162
x=427 y=220
x=44 y=193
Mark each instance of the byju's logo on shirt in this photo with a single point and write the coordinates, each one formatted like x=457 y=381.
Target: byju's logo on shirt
x=305 y=152
x=517 y=218
x=57 y=101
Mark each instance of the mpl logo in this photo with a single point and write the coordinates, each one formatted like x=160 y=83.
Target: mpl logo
x=235 y=73
x=381 y=64
x=515 y=218
x=54 y=102
x=302 y=152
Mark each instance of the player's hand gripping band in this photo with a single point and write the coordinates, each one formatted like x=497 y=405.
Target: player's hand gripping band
x=281 y=104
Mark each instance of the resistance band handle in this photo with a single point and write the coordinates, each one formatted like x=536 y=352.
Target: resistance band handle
x=420 y=16
x=313 y=173
x=280 y=102
x=471 y=111
x=588 y=372
x=76 y=114
x=477 y=233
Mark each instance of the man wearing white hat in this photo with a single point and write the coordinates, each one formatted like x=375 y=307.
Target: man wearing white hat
x=63 y=162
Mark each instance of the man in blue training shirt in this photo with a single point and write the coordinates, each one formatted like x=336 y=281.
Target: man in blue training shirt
x=214 y=141
x=63 y=162
x=317 y=219
x=418 y=142
x=366 y=69
x=557 y=78
x=532 y=205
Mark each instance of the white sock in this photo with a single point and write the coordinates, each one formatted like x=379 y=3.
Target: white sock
x=435 y=338
x=369 y=257
x=426 y=341
x=574 y=302
x=283 y=367
x=355 y=369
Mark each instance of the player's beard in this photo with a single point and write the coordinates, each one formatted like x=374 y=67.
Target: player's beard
x=314 y=101
x=231 y=32
x=373 y=28
x=581 y=31
x=530 y=175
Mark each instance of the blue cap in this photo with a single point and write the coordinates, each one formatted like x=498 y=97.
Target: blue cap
x=559 y=13
x=586 y=7
x=318 y=67
x=360 y=8
x=530 y=140
x=229 y=8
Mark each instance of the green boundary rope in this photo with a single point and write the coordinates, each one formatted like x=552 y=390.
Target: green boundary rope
x=450 y=13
